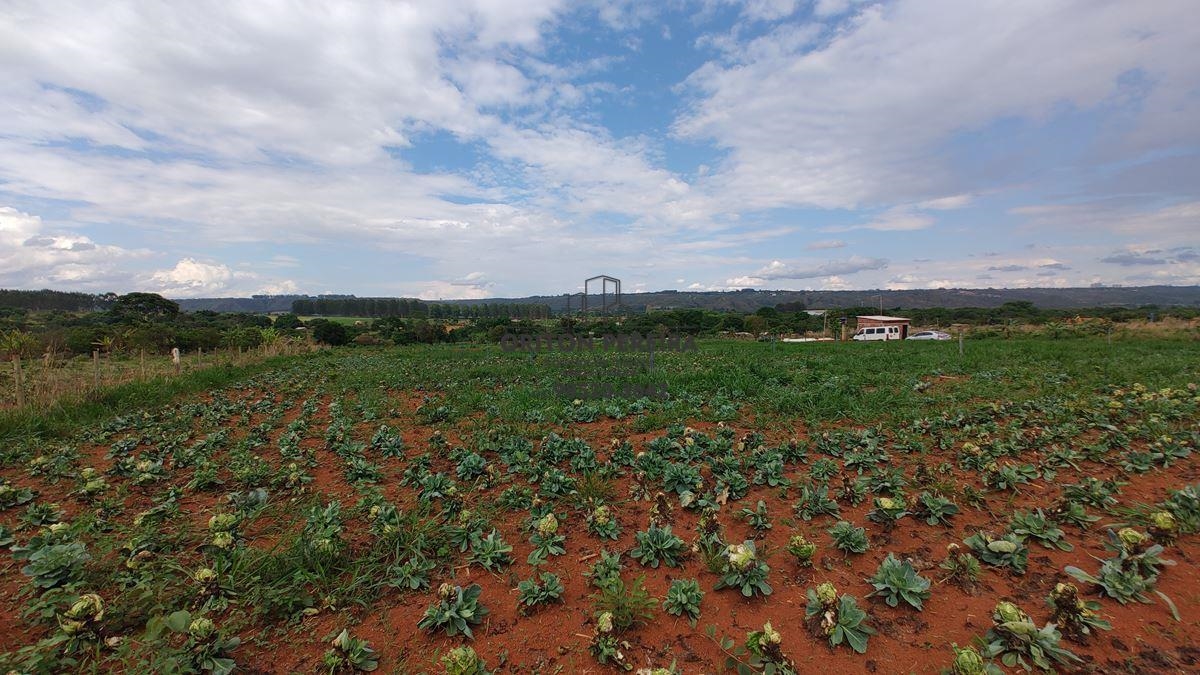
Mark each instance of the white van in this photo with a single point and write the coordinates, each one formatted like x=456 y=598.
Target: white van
x=878 y=333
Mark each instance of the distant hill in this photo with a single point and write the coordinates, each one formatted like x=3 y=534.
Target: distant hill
x=749 y=300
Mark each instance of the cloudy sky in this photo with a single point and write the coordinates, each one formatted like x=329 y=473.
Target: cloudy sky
x=475 y=148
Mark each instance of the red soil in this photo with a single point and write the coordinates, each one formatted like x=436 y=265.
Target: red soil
x=1145 y=638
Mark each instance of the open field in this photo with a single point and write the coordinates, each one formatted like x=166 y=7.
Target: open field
x=386 y=473
x=54 y=381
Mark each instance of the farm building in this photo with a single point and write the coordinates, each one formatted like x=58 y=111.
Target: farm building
x=875 y=321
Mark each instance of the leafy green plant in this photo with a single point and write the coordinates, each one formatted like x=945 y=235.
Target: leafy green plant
x=962 y=568
x=56 y=565
x=968 y=661
x=349 y=653
x=626 y=605
x=823 y=469
x=463 y=660
x=1008 y=476
x=1123 y=579
x=456 y=611
x=935 y=509
x=683 y=598
x=761 y=652
x=1183 y=504
x=1037 y=526
x=412 y=574
x=744 y=570
x=206 y=649
x=1007 y=551
x=323 y=530
x=546 y=540
x=1137 y=551
x=887 y=511
x=544 y=589
x=605 y=647
x=215 y=588
x=42 y=513
x=837 y=618
x=757 y=517
x=896 y=581
x=472 y=466
x=847 y=537
x=14 y=496
x=1073 y=513
x=658 y=545
x=801 y=549
x=602 y=523
x=79 y=626
x=491 y=552
x=606 y=568
x=1092 y=491
x=1014 y=638
x=815 y=501
x=466 y=530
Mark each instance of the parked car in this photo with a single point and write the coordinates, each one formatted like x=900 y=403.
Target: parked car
x=930 y=335
x=878 y=333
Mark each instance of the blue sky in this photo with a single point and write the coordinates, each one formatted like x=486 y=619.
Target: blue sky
x=478 y=148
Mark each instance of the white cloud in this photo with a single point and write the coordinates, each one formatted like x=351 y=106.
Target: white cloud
x=825 y=244
x=770 y=10
x=33 y=256
x=863 y=118
x=895 y=219
x=781 y=270
x=743 y=282
x=191 y=278
x=946 y=203
x=449 y=290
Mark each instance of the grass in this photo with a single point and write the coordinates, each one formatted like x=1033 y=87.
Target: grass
x=72 y=413
x=780 y=383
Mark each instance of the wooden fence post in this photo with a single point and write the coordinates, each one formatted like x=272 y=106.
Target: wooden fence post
x=142 y=363
x=95 y=368
x=175 y=358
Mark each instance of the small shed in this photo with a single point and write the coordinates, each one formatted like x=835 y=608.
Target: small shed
x=871 y=321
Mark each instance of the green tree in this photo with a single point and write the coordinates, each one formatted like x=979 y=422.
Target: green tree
x=144 y=307
x=329 y=333
x=287 y=322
